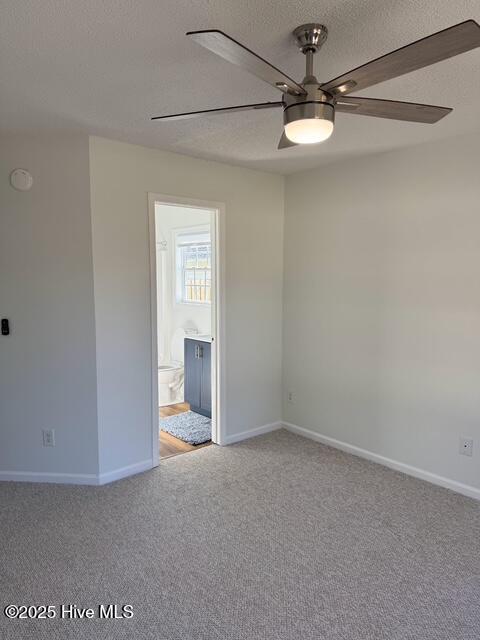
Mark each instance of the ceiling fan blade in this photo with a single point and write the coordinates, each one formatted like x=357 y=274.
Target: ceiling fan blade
x=206 y=112
x=408 y=111
x=285 y=143
x=236 y=53
x=439 y=46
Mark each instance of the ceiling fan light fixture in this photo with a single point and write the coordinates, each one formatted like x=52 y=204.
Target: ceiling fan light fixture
x=309 y=130
x=308 y=122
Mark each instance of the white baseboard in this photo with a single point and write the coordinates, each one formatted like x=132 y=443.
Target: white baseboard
x=60 y=478
x=251 y=433
x=447 y=483
x=76 y=478
x=124 y=472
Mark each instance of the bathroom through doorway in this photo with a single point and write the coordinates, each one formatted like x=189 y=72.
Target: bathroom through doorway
x=185 y=324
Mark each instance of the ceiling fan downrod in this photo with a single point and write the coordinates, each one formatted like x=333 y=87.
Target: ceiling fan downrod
x=309 y=39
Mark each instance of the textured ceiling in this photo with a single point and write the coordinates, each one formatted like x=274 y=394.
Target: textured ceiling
x=106 y=67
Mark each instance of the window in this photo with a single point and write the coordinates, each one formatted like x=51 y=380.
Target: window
x=193 y=255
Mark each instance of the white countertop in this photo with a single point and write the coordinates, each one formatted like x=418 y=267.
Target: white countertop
x=201 y=338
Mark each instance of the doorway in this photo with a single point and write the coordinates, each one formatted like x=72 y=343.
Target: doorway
x=186 y=302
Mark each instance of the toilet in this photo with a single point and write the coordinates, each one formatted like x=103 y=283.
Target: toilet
x=170 y=374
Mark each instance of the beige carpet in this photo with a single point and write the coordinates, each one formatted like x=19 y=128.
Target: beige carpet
x=275 y=538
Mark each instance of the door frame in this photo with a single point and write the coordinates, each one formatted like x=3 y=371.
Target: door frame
x=218 y=312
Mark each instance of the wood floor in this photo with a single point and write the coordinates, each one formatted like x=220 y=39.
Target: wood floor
x=169 y=445
x=173 y=409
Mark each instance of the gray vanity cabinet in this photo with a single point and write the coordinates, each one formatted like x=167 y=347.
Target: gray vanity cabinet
x=198 y=376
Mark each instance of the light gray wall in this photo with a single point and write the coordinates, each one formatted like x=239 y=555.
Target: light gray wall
x=121 y=177
x=47 y=364
x=382 y=304
x=381 y=301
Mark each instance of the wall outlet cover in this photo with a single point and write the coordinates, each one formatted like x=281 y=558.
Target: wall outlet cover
x=48 y=437
x=465 y=446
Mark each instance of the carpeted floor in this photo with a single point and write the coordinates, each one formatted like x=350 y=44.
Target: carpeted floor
x=275 y=538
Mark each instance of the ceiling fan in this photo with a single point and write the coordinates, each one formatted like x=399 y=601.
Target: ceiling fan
x=309 y=106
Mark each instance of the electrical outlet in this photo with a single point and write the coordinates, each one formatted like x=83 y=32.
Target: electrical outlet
x=48 y=437
x=465 y=446
x=290 y=397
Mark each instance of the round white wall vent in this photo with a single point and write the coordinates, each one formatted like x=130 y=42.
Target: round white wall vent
x=21 y=180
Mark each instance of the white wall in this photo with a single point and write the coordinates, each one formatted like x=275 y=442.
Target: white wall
x=172 y=315
x=382 y=304
x=121 y=177
x=47 y=364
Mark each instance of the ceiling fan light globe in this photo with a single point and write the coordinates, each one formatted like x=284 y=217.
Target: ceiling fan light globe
x=308 y=121
x=309 y=130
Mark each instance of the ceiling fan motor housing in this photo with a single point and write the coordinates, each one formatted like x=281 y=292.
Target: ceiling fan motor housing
x=316 y=104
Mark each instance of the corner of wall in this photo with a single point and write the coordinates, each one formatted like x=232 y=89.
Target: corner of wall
x=90 y=139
